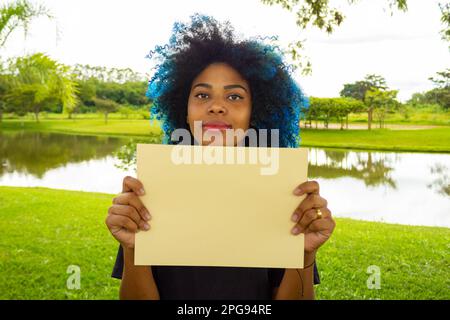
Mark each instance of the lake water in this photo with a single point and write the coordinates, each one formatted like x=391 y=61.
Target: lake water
x=405 y=188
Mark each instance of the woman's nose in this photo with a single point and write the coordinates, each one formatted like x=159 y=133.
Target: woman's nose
x=217 y=108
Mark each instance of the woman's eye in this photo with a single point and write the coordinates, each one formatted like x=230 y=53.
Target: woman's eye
x=201 y=96
x=235 y=97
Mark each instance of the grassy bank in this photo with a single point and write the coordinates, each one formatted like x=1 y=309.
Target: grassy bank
x=426 y=140
x=42 y=236
x=114 y=127
x=425 y=116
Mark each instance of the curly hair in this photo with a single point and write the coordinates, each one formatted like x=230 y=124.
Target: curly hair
x=277 y=100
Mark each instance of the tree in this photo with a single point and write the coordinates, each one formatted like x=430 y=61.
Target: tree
x=5 y=81
x=445 y=20
x=87 y=91
x=344 y=106
x=18 y=14
x=40 y=83
x=359 y=89
x=105 y=106
x=382 y=102
x=442 y=79
x=441 y=93
x=329 y=108
x=319 y=14
x=103 y=74
x=124 y=86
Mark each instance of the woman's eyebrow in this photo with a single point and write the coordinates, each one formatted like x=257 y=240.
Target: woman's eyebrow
x=202 y=85
x=232 y=86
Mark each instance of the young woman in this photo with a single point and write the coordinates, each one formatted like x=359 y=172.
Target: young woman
x=206 y=74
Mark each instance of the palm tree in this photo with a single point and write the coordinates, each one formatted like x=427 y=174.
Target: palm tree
x=18 y=14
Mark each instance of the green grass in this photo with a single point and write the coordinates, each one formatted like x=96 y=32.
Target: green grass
x=44 y=231
x=426 y=140
x=425 y=116
x=114 y=127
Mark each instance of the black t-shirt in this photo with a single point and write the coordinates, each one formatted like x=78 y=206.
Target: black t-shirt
x=210 y=283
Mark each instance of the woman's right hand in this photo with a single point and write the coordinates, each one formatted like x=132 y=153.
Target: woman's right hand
x=128 y=215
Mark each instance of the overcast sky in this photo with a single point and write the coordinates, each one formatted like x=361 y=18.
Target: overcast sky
x=405 y=48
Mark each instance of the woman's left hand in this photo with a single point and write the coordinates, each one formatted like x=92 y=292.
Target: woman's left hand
x=317 y=229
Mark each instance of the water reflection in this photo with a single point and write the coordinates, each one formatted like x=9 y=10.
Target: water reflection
x=35 y=153
x=85 y=163
x=374 y=168
x=441 y=179
x=407 y=188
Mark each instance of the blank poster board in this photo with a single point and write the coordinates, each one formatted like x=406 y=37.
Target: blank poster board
x=230 y=214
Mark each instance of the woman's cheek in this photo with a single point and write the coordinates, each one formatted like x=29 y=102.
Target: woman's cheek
x=241 y=116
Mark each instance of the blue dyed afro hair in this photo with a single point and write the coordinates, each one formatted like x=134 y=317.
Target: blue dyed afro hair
x=276 y=98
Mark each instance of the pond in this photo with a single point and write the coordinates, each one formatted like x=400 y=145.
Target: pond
x=405 y=188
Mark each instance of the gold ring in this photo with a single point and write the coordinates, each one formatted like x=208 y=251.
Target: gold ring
x=319 y=214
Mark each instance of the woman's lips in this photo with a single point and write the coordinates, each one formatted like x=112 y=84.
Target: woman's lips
x=216 y=126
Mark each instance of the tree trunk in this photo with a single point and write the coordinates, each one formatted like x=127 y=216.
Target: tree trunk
x=369 y=118
x=1 y=115
x=36 y=110
x=346 y=122
x=106 y=117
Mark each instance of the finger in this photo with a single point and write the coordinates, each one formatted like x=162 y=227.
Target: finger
x=322 y=225
x=307 y=187
x=131 y=184
x=132 y=200
x=116 y=222
x=310 y=216
x=310 y=202
x=317 y=225
x=131 y=212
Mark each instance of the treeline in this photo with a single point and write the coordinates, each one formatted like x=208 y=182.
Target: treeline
x=373 y=97
x=36 y=83
x=330 y=109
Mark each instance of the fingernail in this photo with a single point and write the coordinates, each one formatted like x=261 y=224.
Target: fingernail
x=295 y=230
x=141 y=192
x=148 y=216
x=294 y=217
x=298 y=192
x=146 y=226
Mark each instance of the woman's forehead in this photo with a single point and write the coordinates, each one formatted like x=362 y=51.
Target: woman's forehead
x=220 y=74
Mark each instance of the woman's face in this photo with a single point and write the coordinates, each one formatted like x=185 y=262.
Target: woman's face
x=221 y=99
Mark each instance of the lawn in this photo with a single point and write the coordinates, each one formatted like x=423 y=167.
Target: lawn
x=44 y=231
x=425 y=140
x=114 y=127
x=424 y=116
